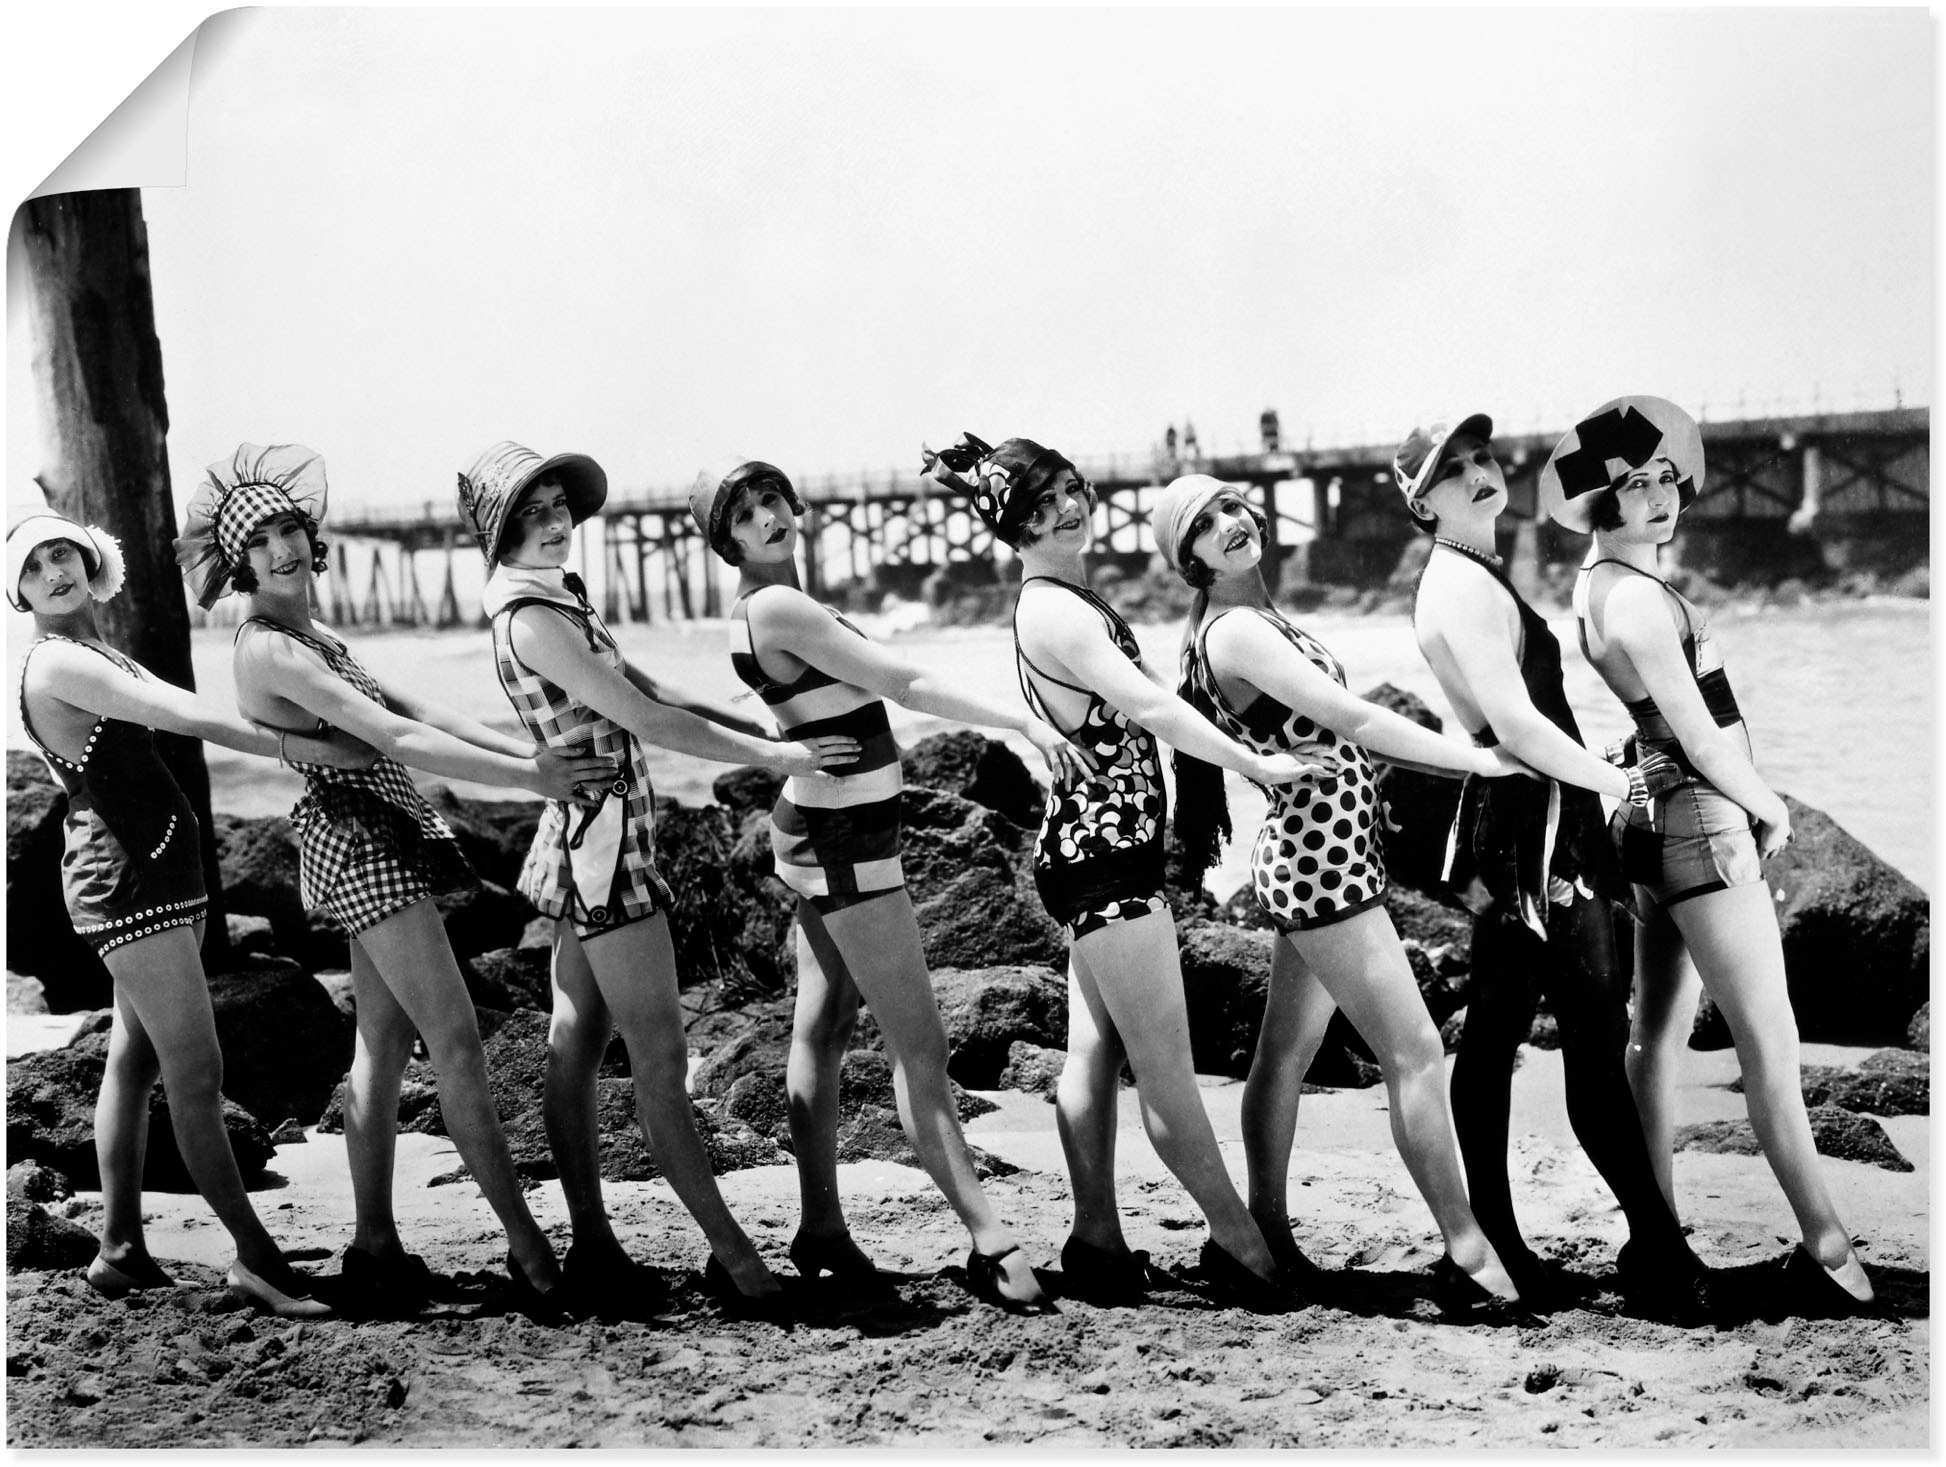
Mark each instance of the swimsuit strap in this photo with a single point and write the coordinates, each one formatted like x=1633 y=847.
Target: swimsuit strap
x=1688 y=621
x=126 y=664
x=331 y=648
x=583 y=620
x=1036 y=703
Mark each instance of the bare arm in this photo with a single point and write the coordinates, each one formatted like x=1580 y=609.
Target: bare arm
x=1471 y=615
x=553 y=648
x=96 y=686
x=1070 y=633
x=1637 y=621
x=786 y=620
x=459 y=725
x=1247 y=649
x=726 y=714
x=278 y=666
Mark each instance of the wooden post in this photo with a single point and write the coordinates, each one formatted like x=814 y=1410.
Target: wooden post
x=448 y=598
x=1273 y=557
x=97 y=372
x=808 y=538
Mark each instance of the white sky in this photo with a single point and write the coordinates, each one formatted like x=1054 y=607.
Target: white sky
x=674 y=239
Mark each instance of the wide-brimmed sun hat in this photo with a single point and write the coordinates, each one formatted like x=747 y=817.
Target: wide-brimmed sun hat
x=1176 y=509
x=1615 y=438
x=101 y=553
x=493 y=484
x=1418 y=453
x=710 y=505
x=1002 y=482
x=236 y=495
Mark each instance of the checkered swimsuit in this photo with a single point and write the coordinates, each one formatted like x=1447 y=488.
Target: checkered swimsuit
x=554 y=718
x=368 y=843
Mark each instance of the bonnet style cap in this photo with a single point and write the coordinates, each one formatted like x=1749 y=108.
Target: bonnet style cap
x=1418 y=455
x=1616 y=437
x=1176 y=510
x=492 y=485
x=101 y=553
x=235 y=496
x=710 y=508
x=1002 y=482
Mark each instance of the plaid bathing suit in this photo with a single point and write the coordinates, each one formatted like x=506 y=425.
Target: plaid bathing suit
x=368 y=843
x=627 y=887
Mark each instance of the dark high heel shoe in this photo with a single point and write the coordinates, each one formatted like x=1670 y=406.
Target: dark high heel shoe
x=984 y=1278
x=1463 y=1299
x=1814 y=1294
x=258 y=1292
x=611 y=1286
x=840 y=1257
x=374 y=1286
x=1301 y=1275
x=735 y=1304
x=1103 y=1276
x=1234 y=1283
x=543 y=1306
x=114 y=1283
x=1671 y=1287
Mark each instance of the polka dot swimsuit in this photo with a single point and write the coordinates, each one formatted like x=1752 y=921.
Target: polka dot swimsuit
x=1099 y=858
x=1319 y=856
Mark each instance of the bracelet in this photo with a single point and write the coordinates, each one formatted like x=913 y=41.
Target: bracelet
x=283 y=759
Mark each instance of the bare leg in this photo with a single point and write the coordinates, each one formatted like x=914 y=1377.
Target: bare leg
x=577 y=1037
x=1133 y=968
x=382 y=1046
x=1085 y=1106
x=122 y=1136
x=1666 y=990
x=159 y=982
x=1296 y=1013
x=409 y=948
x=635 y=969
x=822 y=1021
x=1733 y=936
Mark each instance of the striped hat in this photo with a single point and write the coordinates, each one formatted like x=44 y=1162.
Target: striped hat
x=491 y=486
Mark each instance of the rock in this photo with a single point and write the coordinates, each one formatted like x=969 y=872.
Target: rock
x=987 y=1009
x=977 y=768
x=285 y=1043
x=538 y=933
x=1450 y=1031
x=1244 y=910
x=291 y=1133
x=1225 y=974
x=257 y=856
x=495 y=834
x=747 y=789
x=1421 y=805
x=484 y=917
x=757 y=1098
x=510 y=978
x=1438 y=928
x=1836 y=1133
x=40 y=940
x=1893 y=1082
x=865 y=1079
x=250 y=934
x=419 y=1111
x=970 y=875
x=873 y=1134
x=761 y=1046
x=1857 y=935
x=732 y=918
x=1918 y=1033
x=336 y=983
x=37 y=1183
x=732 y=1145
x=36 y=1239
x=1035 y=1068
x=50 y=1119
x=25 y=995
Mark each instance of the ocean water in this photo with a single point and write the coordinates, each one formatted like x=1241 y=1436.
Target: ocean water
x=1839 y=699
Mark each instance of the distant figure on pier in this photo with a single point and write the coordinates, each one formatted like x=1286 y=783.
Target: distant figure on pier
x=1169 y=441
x=1189 y=449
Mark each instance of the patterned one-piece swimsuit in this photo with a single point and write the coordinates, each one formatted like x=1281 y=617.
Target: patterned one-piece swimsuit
x=1099 y=858
x=368 y=843
x=1319 y=856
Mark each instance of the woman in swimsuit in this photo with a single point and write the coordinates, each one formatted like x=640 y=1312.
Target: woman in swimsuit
x=594 y=871
x=836 y=845
x=1541 y=852
x=1099 y=866
x=373 y=854
x=1694 y=856
x=1318 y=871
x=132 y=876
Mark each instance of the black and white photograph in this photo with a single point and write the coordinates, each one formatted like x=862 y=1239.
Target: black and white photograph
x=969 y=728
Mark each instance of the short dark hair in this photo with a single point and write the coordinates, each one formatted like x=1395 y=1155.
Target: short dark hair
x=1199 y=576
x=1027 y=537
x=245 y=579
x=1605 y=509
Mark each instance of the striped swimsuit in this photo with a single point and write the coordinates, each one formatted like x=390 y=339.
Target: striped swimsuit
x=835 y=838
x=594 y=869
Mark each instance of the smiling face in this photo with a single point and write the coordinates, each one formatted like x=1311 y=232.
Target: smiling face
x=1224 y=536
x=54 y=578
x=762 y=525
x=1646 y=501
x=278 y=553
x=540 y=528
x=1062 y=518
x=1467 y=485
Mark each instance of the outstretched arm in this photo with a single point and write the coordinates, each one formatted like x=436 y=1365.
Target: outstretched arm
x=1638 y=622
x=1067 y=632
x=459 y=725
x=728 y=715
x=787 y=620
x=546 y=642
x=1245 y=648
x=97 y=686
x=295 y=674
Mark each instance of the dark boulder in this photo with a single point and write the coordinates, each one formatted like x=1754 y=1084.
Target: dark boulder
x=757 y=1096
x=1918 y=1033
x=865 y=1079
x=873 y=1133
x=1836 y=1133
x=510 y=978
x=1225 y=977
x=495 y=834
x=257 y=856
x=40 y=938
x=970 y=875
x=987 y=1009
x=731 y=920
x=977 y=768
x=419 y=1111
x=1421 y=805
x=1444 y=931
x=748 y=789
x=761 y=1047
x=1035 y=1068
x=37 y=1183
x=37 y=1239
x=483 y=917
x=1857 y=935
x=250 y=934
x=285 y=1043
x=1893 y=1082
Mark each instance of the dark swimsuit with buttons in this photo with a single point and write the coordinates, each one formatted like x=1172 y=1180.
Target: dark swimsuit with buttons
x=131 y=864
x=1099 y=858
